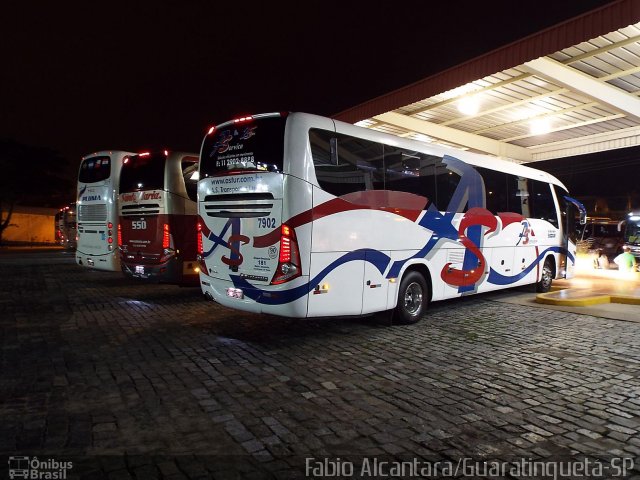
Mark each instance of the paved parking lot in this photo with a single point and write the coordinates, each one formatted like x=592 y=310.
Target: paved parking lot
x=152 y=381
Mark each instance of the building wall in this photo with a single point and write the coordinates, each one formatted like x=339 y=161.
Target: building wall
x=30 y=225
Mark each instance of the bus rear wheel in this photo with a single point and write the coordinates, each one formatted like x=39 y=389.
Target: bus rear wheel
x=413 y=297
x=544 y=285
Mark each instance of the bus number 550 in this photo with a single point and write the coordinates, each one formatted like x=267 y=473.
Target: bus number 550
x=139 y=225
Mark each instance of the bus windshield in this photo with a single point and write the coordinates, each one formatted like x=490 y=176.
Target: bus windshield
x=632 y=231
x=254 y=145
x=601 y=230
x=143 y=172
x=95 y=169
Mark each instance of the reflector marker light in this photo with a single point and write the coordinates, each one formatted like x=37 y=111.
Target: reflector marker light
x=110 y=234
x=144 y=154
x=199 y=233
x=242 y=119
x=165 y=236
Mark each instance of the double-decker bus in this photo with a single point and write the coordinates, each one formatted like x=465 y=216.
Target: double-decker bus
x=158 y=217
x=66 y=228
x=97 y=213
x=304 y=216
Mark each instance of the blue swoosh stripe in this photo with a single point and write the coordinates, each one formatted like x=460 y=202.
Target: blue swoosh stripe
x=376 y=258
x=499 y=279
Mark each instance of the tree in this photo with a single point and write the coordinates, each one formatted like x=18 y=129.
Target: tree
x=33 y=176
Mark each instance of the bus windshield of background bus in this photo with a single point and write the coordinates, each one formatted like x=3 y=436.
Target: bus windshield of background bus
x=632 y=232
x=95 y=169
x=250 y=146
x=143 y=172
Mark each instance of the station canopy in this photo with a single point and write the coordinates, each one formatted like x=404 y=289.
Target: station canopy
x=568 y=90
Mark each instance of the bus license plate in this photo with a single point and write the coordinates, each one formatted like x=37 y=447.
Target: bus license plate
x=235 y=293
x=139 y=270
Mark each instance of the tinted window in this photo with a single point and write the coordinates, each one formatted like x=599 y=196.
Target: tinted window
x=518 y=195
x=495 y=189
x=95 y=169
x=600 y=230
x=190 y=175
x=410 y=171
x=356 y=164
x=541 y=202
x=446 y=184
x=256 y=145
x=142 y=172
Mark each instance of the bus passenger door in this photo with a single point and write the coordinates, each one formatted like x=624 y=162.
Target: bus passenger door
x=376 y=286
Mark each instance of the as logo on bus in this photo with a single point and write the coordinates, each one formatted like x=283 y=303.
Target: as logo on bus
x=151 y=196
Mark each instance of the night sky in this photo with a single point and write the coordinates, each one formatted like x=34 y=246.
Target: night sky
x=155 y=75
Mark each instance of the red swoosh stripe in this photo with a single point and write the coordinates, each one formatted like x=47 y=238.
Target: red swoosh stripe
x=336 y=205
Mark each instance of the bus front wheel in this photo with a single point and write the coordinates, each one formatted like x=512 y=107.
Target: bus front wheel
x=413 y=297
x=544 y=285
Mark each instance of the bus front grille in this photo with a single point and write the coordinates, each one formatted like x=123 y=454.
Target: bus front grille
x=93 y=212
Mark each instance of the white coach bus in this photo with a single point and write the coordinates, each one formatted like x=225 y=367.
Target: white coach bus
x=304 y=216
x=97 y=212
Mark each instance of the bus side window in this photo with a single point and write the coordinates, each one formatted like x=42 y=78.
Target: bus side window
x=190 y=174
x=518 y=195
x=410 y=171
x=446 y=185
x=495 y=190
x=541 y=202
x=360 y=163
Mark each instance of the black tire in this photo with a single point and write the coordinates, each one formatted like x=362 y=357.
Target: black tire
x=413 y=298
x=544 y=285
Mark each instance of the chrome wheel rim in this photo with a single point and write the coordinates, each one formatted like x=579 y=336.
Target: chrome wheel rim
x=413 y=298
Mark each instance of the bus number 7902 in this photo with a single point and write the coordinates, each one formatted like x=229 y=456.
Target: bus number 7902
x=267 y=222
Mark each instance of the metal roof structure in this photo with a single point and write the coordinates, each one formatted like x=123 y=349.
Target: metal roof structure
x=568 y=90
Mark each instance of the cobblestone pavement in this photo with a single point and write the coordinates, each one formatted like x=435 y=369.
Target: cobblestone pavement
x=152 y=381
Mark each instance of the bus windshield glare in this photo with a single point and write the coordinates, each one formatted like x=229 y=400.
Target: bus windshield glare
x=250 y=146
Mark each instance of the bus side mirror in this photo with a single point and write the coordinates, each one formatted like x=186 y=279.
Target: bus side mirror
x=333 y=147
x=583 y=217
